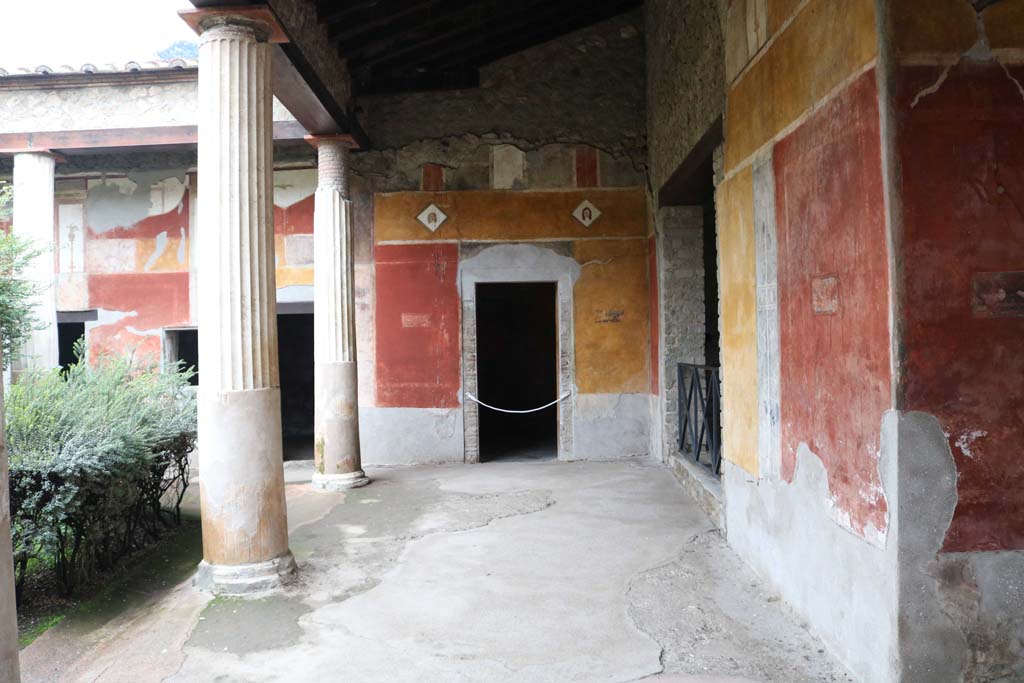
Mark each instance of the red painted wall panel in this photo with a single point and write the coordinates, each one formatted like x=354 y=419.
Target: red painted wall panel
x=586 y=166
x=296 y=219
x=150 y=301
x=418 y=326
x=833 y=298
x=652 y=273
x=961 y=150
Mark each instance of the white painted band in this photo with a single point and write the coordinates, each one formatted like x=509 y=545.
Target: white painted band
x=519 y=412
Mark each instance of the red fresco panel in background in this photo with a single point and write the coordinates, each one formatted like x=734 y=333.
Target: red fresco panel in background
x=296 y=219
x=961 y=150
x=418 y=326
x=149 y=300
x=833 y=298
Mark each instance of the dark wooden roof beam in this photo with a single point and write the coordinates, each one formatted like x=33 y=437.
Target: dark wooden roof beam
x=430 y=48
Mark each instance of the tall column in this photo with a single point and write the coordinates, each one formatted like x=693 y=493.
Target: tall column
x=338 y=464
x=9 y=670
x=242 y=498
x=34 y=206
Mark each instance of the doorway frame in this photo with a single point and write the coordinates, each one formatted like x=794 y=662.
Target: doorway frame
x=512 y=264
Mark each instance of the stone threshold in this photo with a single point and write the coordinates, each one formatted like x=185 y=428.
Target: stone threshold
x=704 y=487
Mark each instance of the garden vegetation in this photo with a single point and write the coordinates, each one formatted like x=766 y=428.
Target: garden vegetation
x=99 y=451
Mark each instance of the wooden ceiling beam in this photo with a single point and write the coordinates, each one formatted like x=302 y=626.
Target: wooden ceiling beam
x=366 y=30
x=422 y=50
x=497 y=49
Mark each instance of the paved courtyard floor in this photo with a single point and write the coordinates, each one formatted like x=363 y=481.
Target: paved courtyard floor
x=505 y=571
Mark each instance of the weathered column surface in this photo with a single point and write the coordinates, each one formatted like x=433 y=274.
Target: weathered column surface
x=338 y=464
x=33 y=219
x=245 y=530
x=9 y=670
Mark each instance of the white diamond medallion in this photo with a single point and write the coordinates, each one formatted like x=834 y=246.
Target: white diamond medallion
x=432 y=217
x=586 y=213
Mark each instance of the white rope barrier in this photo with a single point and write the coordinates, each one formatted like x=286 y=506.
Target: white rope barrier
x=519 y=412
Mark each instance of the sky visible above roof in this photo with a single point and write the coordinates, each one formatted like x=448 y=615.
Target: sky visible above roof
x=73 y=32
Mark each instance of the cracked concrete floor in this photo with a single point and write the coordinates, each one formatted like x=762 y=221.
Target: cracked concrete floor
x=518 y=571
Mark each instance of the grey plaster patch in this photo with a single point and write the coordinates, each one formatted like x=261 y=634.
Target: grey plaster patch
x=405 y=436
x=611 y=425
x=930 y=646
x=239 y=626
x=961 y=614
x=845 y=587
x=109 y=207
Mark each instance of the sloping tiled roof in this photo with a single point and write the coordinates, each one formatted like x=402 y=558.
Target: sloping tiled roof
x=129 y=67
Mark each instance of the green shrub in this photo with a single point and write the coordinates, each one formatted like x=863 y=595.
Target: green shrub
x=94 y=453
x=17 y=312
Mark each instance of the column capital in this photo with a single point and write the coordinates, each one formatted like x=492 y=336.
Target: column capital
x=338 y=139
x=257 y=17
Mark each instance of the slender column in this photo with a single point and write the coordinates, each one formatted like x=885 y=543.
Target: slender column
x=338 y=464
x=34 y=206
x=8 y=610
x=245 y=530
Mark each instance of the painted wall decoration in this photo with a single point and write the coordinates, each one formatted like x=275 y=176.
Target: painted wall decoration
x=833 y=295
x=418 y=312
x=123 y=248
x=961 y=149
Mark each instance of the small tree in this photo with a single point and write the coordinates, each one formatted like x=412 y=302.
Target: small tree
x=17 y=312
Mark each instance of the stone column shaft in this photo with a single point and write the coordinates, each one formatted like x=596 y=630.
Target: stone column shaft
x=9 y=669
x=245 y=530
x=34 y=207
x=338 y=462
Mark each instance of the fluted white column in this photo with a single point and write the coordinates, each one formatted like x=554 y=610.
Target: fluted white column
x=9 y=670
x=338 y=463
x=245 y=530
x=34 y=207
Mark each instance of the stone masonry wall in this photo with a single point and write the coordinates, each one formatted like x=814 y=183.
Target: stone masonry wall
x=685 y=78
x=586 y=87
x=681 y=283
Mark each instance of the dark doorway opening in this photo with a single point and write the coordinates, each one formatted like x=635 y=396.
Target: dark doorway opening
x=68 y=335
x=295 y=362
x=182 y=347
x=712 y=355
x=517 y=368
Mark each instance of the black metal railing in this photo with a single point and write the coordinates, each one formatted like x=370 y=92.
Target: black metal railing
x=700 y=428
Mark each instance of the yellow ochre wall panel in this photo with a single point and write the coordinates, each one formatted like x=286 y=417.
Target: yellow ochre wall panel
x=166 y=261
x=509 y=215
x=924 y=27
x=826 y=42
x=288 y=276
x=1004 y=25
x=612 y=318
x=738 y=294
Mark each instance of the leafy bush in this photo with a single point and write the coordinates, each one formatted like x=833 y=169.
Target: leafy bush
x=94 y=453
x=17 y=313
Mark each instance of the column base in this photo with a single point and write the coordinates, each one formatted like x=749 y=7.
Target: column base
x=244 y=579
x=340 y=482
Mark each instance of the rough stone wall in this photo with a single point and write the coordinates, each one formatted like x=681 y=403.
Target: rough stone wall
x=302 y=24
x=685 y=78
x=680 y=257
x=586 y=87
